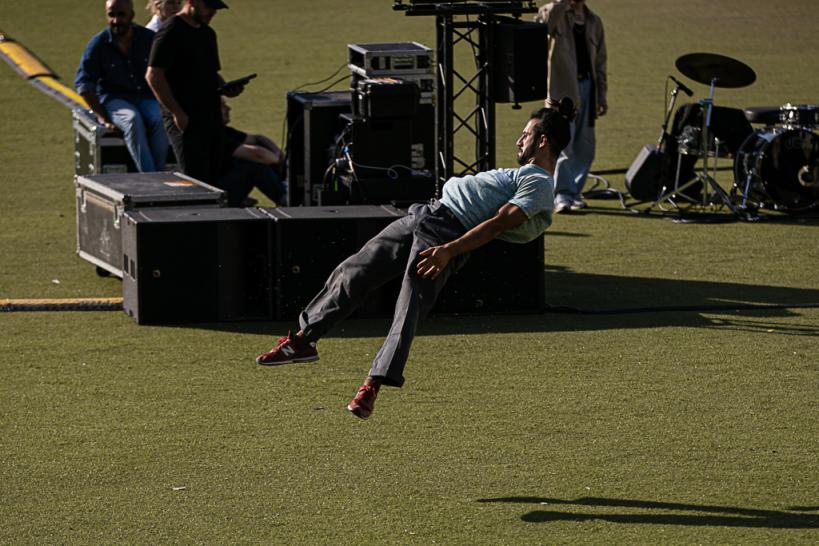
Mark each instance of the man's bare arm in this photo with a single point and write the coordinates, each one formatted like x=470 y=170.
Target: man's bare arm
x=436 y=258
x=162 y=91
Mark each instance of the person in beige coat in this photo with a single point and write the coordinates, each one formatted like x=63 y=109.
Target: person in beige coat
x=577 y=69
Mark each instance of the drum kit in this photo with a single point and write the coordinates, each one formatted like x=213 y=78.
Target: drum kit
x=775 y=167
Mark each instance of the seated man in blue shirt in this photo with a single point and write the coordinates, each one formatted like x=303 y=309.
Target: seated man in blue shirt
x=431 y=243
x=111 y=79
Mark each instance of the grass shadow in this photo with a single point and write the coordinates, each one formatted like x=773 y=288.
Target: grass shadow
x=592 y=302
x=673 y=513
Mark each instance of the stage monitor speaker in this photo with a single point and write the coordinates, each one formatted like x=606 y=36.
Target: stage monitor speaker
x=312 y=127
x=654 y=171
x=499 y=277
x=197 y=264
x=521 y=61
x=311 y=241
x=643 y=178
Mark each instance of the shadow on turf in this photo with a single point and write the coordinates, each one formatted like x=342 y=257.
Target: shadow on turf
x=716 y=516
x=806 y=218
x=591 y=302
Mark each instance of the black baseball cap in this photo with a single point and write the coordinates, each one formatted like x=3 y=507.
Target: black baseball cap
x=215 y=4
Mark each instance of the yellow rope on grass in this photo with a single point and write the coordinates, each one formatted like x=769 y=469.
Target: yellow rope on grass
x=67 y=304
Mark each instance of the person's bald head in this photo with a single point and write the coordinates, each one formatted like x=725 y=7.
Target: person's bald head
x=120 y=14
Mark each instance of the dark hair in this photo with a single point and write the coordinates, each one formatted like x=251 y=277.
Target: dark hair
x=553 y=122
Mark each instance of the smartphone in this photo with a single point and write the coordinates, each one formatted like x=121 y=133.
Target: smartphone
x=240 y=81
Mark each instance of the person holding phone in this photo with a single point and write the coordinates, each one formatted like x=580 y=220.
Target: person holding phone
x=183 y=72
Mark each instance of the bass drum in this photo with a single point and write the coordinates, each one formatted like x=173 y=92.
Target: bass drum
x=779 y=168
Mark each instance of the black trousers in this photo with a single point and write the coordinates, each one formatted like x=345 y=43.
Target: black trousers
x=243 y=175
x=199 y=148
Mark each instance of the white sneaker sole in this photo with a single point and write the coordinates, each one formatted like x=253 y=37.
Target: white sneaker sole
x=291 y=361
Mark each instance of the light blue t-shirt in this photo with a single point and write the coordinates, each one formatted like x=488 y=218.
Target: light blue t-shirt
x=476 y=198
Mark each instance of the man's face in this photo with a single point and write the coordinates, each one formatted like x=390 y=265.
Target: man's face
x=527 y=143
x=201 y=13
x=119 y=13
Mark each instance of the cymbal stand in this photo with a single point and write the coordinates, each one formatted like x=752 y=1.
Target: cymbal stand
x=706 y=178
x=702 y=176
x=660 y=141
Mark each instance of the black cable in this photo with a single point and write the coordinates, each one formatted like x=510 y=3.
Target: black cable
x=338 y=81
x=298 y=87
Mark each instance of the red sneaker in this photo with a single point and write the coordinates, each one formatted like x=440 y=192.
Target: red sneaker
x=289 y=349
x=362 y=405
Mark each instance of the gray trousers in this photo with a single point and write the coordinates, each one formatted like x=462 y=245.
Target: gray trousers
x=391 y=253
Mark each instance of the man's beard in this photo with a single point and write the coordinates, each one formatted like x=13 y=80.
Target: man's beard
x=526 y=154
x=119 y=30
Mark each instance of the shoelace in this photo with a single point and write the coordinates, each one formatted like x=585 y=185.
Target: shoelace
x=282 y=341
x=366 y=392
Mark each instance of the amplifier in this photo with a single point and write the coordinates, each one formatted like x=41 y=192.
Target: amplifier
x=390 y=59
x=102 y=199
x=197 y=264
x=311 y=241
x=499 y=277
x=378 y=98
x=312 y=127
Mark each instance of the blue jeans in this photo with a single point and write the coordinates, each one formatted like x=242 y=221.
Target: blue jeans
x=143 y=131
x=575 y=161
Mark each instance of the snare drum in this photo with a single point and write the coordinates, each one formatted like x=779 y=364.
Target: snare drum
x=778 y=168
x=799 y=115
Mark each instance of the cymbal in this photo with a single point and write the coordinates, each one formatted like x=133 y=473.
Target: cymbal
x=723 y=71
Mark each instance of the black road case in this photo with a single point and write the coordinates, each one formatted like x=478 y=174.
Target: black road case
x=311 y=241
x=197 y=264
x=98 y=150
x=103 y=198
x=312 y=127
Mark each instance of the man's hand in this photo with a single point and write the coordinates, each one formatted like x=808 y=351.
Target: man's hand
x=107 y=123
x=602 y=108
x=435 y=260
x=234 y=90
x=180 y=119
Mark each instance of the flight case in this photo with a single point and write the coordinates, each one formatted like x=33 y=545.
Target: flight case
x=103 y=198
x=99 y=150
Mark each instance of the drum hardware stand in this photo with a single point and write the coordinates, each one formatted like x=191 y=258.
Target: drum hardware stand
x=660 y=141
x=718 y=197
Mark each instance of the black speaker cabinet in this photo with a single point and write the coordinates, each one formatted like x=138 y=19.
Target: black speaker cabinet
x=521 y=61
x=312 y=127
x=499 y=277
x=311 y=241
x=197 y=264
x=653 y=172
x=643 y=176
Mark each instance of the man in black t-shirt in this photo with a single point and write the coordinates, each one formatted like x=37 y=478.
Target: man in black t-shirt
x=183 y=72
x=249 y=161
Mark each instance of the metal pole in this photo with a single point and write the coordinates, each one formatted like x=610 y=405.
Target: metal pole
x=444 y=103
x=486 y=94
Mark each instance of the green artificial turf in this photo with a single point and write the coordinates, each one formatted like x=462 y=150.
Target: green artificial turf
x=694 y=423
